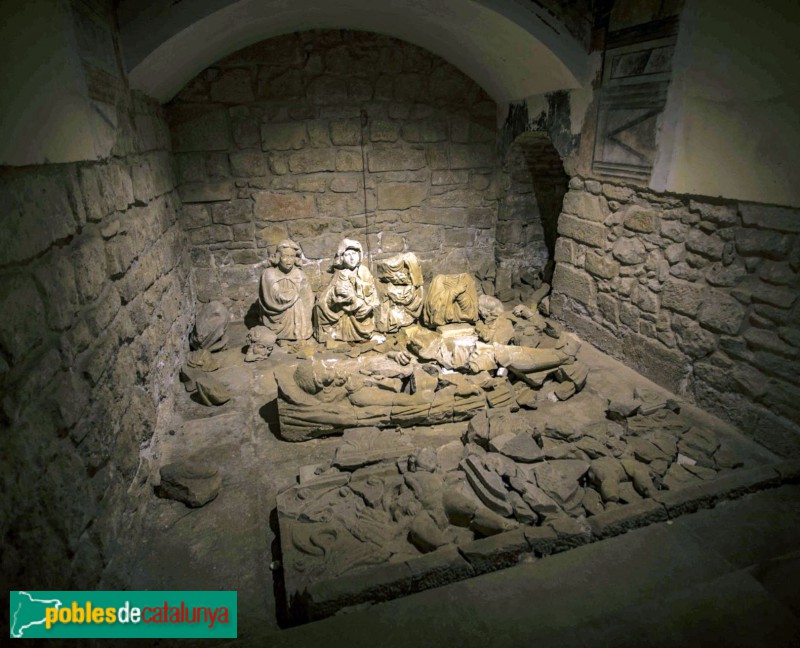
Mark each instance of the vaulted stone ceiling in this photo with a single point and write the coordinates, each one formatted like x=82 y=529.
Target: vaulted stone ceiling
x=512 y=49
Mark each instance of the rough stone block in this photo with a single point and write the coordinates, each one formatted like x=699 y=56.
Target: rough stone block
x=383 y=130
x=345 y=132
x=90 y=267
x=233 y=212
x=601 y=265
x=665 y=366
x=425 y=131
x=327 y=90
x=704 y=244
x=724 y=215
x=615 y=192
x=272 y=234
x=640 y=219
x=35 y=211
x=210 y=234
x=233 y=86
x=249 y=164
x=720 y=312
x=630 y=251
x=349 y=160
x=581 y=230
x=312 y=161
x=401 y=195
x=23 y=310
x=765 y=243
x=783 y=219
x=586 y=205
x=470 y=156
x=395 y=159
x=682 y=296
x=198 y=128
x=574 y=283
x=196 y=192
x=273 y=206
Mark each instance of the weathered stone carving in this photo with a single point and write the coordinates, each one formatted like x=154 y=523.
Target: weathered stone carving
x=193 y=481
x=210 y=326
x=345 y=308
x=400 y=281
x=319 y=398
x=495 y=325
x=260 y=341
x=285 y=297
x=450 y=299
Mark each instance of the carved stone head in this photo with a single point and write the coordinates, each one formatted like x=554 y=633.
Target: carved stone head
x=287 y=255
x=260 y=342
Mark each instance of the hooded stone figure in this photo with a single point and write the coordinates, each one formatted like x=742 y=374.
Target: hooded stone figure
x=285 y=298
x=345 y=309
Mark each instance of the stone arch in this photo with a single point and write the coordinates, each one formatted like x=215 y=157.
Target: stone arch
x=533 y=186
x=167 y=44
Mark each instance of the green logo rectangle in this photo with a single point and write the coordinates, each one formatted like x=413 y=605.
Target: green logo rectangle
x=123 y=614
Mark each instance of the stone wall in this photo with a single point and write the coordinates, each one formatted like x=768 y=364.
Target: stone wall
x=700 y=296
x=268 y=145
x=96 y=310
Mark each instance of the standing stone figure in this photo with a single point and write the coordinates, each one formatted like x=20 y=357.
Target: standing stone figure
x=284 y=297
x=345 y=309
x=400 y=280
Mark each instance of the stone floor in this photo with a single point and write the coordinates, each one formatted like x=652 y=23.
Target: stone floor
x=662 y=582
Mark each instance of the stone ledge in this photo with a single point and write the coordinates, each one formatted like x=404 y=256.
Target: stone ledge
x=632 y=516
x=451 y=564
x=708 y=494
x=495 y=552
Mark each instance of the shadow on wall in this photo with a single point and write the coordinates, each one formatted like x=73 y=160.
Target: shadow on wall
x=535 y=183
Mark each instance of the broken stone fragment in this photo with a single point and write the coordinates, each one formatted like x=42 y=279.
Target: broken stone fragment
x=565 y=391
x=192 y=481
x=488 y=485
x=522 y=512
x=363 y=446
x=424 y=534
x=525 y=395
x=628 y=493
x=210 y=327
x=426 y=459
x=459 y=509
x=478 y=429
x=488 y=523
x=652 y=400
x=539 y=501
x=606 y=474
x=640 y=476
x=592 y=502
x=619 y=410
x=559 y=478
x=678 y=477
x=449 y=456
x=647 y=451
x=576 y=373
x=211 y=392
x=699 y=444
x=519 y=447
x=592 y=447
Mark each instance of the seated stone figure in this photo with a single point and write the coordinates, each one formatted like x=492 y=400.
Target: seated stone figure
x=345 y=309
x=401 y=291
x=284 y=297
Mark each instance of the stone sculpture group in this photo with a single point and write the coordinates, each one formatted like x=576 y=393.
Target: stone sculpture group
x=391 y=353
